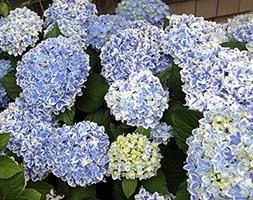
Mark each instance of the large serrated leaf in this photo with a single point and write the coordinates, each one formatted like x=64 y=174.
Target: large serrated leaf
x=67 y=116
x=10 y=84
x=118 y=193
x=182 y=193
x=143 y=131
x=12 y=187
x=29 y=194
x=80 y=193
x=129 y=186
x=183 y=122
x=93 y=94
x=54 y=32
x=156 y=184
x=101 y=117
x=41 y=186
x=172 y=166
x=235 y=44
x=4 y=139
x=163 y=76
x=95 y=61
x=8 y=167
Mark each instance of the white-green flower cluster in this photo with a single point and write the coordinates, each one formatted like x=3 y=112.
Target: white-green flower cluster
x=133 y=156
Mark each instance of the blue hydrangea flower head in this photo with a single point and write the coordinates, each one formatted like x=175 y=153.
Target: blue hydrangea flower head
x=73 y=17
x=219 y=162
x=30 y=129
x=161 y=133
x=223 y=78
x=53 y=73
x=188 y=37
x=5 y=67
x=134 y=49
x=240 y=28
x=133 y=156
x=79 y=153
x=145 y=195
x=100 y=31
x=153 y=11
x=140 y=100
x=19 y=30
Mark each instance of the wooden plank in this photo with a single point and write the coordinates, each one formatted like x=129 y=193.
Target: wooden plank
x=187 y=7
x=206 y=8
x=228 y=7
x=246 y=5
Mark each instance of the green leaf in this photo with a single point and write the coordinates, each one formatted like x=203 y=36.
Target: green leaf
x=10 y=84
x=166 y=22
x=164 y=76
x=235 y=44
x=54 y=32
x=64 y=189
x=67 y=116
x=4 y=139
x=183 y=122
x=80 y=193
x=116 y=130
x=93 y=94
x=95 y=61
x=143 y=131
x=182 y=193
x=8 y=167
x=118 y=193
x=172 y=166
x=41 y=186
x=101 y=117
x=4 y=8
x=29 y=194
x=175 y=84
x=156 y=183
x=12 y=187
x=129 y=186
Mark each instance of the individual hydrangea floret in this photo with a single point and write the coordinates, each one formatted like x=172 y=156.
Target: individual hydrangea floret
x=223 y=78
x=19 y=30
x=134 y=49
x=189 y=39
x=79 y=153
x=140 y=100
x=133 y=156
x=161 y=133
x=5 y=67
x=240 y=28
x=219 y=162
x=53 y=73
x=30 y=129
x=100 y=31
x=145 y=195
x=73 y=17
x=153 y=11
x=53 y=196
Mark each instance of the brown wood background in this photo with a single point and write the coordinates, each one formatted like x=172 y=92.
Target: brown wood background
x=218 y=10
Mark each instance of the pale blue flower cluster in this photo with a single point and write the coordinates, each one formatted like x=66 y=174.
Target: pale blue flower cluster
x=161 y=133
x=240 y=28
x=53 y=73
x=133 y=50
x=78 y=153
x=19 y=30
x=153 y=11
x=5 y=67
x=140 y=100
x=133 y=156
x=73 y=17
x=223 y=78
x=145 y=195
x=219 y=162
x=100 y=31
x=30 y=128
x=190 y=39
